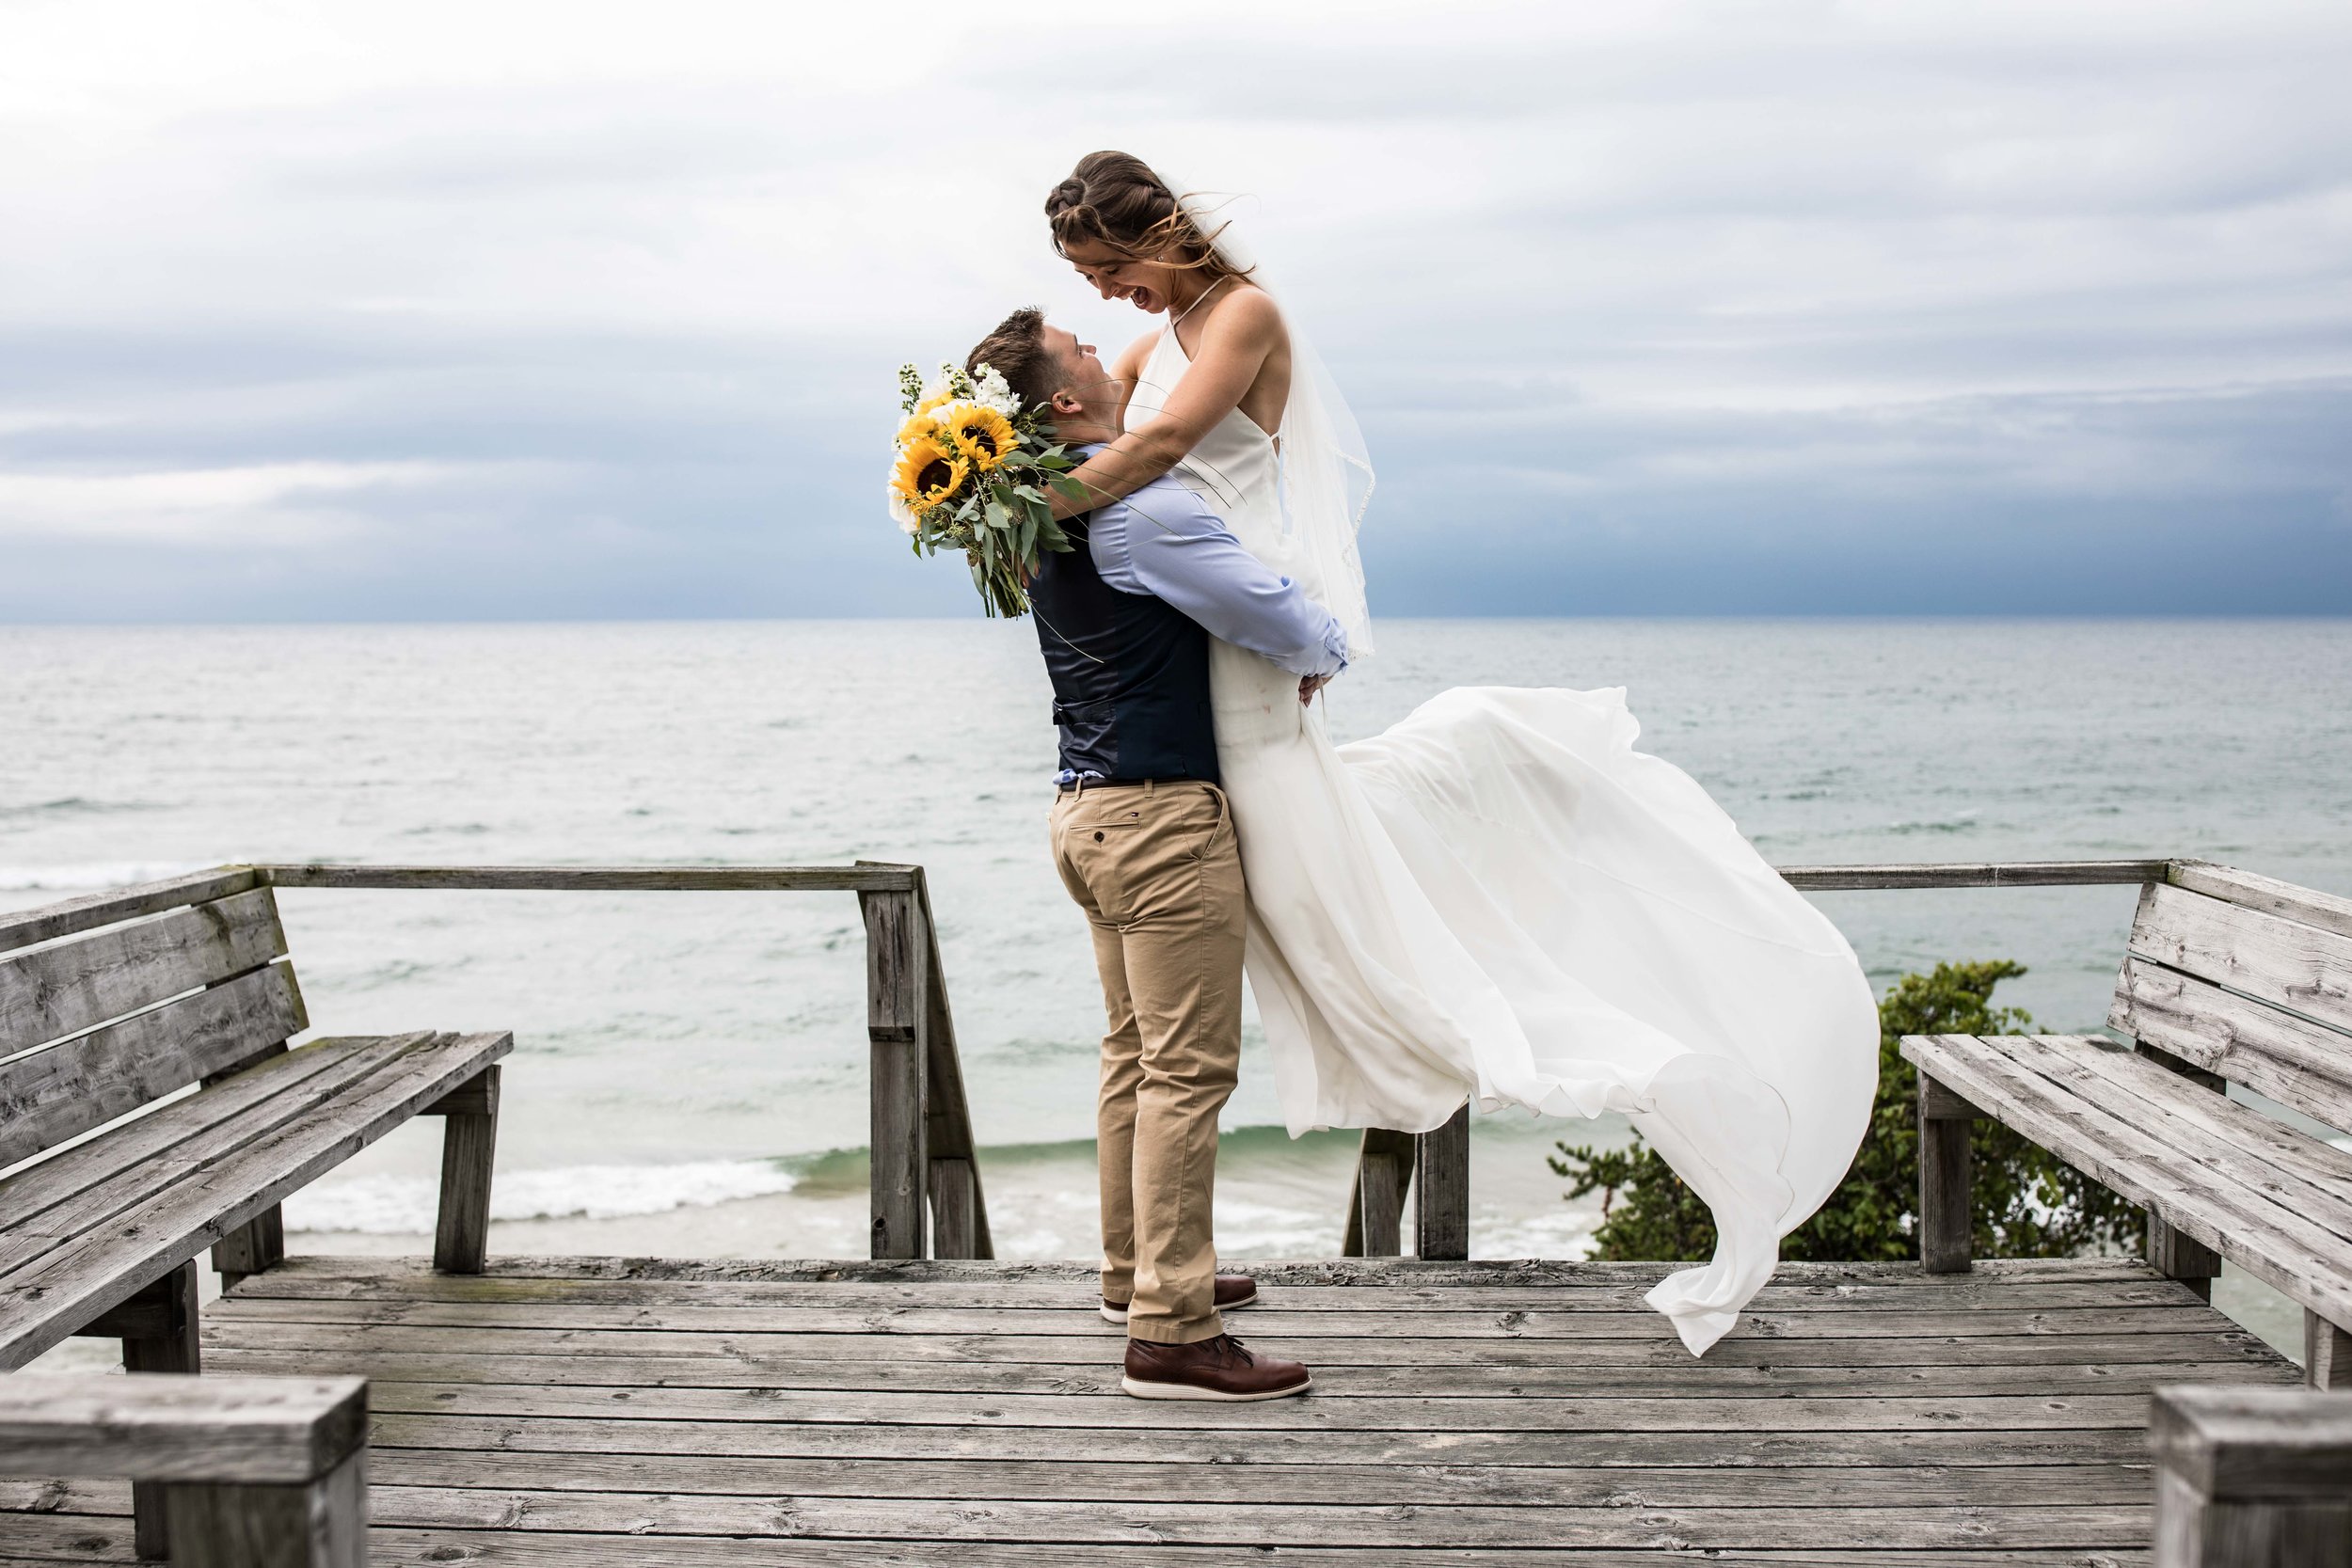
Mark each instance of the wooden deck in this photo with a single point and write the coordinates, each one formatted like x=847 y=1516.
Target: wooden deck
x=607 y=1412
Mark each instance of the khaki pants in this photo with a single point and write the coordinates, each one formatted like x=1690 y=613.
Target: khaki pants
x=1157 y=870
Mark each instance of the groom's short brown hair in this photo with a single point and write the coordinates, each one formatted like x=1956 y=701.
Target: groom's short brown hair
x=1016 y=350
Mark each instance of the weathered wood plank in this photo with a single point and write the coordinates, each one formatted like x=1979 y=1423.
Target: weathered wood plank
x=1245 y=1525
x=24 y=927
x=2273 y=1053
x=1825 y=878
x=1448 y=1381
x=86 y=1539
x=1404 y=1305
x=1264 y=1322
x=164 y=1429
x=897 y=1015
x=1356 y=1274
x=1749 y=1450
x=65 y=1176
x=1487 y=1485
x=1896 y=1413
x=2290 y=1253
x=1441 y=1189
x=229 y=1328
x=83 y=1279
x=174 y=1346
x=92 y=1184
x=861 y=878
x=70 y=987
x=2268 y=895
x=2301 y=968
x=461 y=1233
x=2241 y=1148
x=50 y=1096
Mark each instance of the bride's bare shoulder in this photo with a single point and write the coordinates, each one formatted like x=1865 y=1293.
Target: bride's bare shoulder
x=1252 y=314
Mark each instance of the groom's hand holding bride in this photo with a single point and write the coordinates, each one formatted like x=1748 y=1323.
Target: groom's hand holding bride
x=1309 y=686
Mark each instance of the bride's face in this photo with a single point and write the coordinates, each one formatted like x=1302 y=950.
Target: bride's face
x=1145 y=285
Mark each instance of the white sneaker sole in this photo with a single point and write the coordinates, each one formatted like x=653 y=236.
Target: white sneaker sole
x=1118 y=1314
x=1188 y=1391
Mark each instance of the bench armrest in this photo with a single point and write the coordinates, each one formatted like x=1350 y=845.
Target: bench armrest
x=239 y=1430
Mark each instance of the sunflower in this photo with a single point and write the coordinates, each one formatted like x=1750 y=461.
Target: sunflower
x=920 y=424
x=981 y=435
x=928 y=473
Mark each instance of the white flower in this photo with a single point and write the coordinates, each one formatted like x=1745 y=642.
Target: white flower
x=902 y=514
x=992 y=389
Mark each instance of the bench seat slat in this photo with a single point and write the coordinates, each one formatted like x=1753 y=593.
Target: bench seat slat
x=71 y=1285
x=50 y=1096
x=281 y=1090
x=2301 y=968
x=280 y=1431
x=2244 y=1150
x=32 y=1190
x=63 y=989
x=2276 y=1053
x=2301 y=1259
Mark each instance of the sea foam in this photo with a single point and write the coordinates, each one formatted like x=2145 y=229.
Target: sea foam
x=405 y=1205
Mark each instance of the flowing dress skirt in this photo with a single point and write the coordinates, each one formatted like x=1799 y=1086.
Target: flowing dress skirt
x=1502 y=899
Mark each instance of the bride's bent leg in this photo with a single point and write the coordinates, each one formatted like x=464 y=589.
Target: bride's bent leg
x=1163 y=862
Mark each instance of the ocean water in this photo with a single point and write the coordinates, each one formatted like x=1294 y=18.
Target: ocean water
x=689 y=1068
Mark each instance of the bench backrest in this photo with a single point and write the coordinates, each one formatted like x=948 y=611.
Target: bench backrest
x=110 y=1003
x=2248 y=978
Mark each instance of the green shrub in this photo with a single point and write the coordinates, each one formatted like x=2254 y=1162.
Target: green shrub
x=2027 y=1202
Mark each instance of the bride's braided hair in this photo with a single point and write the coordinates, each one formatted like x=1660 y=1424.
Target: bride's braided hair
x=1115 y=200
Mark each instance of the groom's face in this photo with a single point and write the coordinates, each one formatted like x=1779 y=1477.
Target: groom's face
x=1087 y=385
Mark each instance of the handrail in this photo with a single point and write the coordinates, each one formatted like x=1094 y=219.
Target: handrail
x=1389 y=1163
x=921 y=1147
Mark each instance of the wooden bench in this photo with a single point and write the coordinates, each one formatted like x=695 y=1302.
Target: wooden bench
x=2229 y=977
x=110 y=1007
x=2251 y=1478
x=255 y=1472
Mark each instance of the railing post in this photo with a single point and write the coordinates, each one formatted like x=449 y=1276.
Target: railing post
x=1441 y=1190
x=2251 y=1478
x=1947 y=1207
x=898 y=980
x=1376 y=1207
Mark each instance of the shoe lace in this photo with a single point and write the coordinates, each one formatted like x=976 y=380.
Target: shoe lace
x=1230 y=1350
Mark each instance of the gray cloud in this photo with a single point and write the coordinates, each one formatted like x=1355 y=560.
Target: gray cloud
x=1699 y=306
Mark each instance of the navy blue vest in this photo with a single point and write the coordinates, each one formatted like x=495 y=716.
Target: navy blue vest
x=1130 y=672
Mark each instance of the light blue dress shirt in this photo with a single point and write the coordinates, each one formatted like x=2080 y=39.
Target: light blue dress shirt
x=1164 y=541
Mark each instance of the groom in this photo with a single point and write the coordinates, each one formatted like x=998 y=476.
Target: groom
x=1144 y=841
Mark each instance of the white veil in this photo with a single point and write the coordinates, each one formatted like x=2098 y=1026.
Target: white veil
x=1326 y=472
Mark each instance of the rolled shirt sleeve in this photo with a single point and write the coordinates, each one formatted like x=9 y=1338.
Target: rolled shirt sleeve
x=1164 y=541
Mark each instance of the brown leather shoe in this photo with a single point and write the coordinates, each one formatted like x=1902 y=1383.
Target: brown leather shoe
x=1232 y=1289
x=1218 y=1369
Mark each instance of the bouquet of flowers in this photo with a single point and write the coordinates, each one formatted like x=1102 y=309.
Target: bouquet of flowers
x=969 y=472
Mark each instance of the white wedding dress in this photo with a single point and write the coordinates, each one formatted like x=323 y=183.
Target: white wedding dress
x=1500 y=899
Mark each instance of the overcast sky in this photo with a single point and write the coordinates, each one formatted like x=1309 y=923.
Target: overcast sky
x=505 y=310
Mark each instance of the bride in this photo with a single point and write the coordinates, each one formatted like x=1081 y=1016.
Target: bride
x=1498 y=900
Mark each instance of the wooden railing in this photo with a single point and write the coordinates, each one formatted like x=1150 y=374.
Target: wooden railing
x=920 y=1123
x=1433 y=1168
